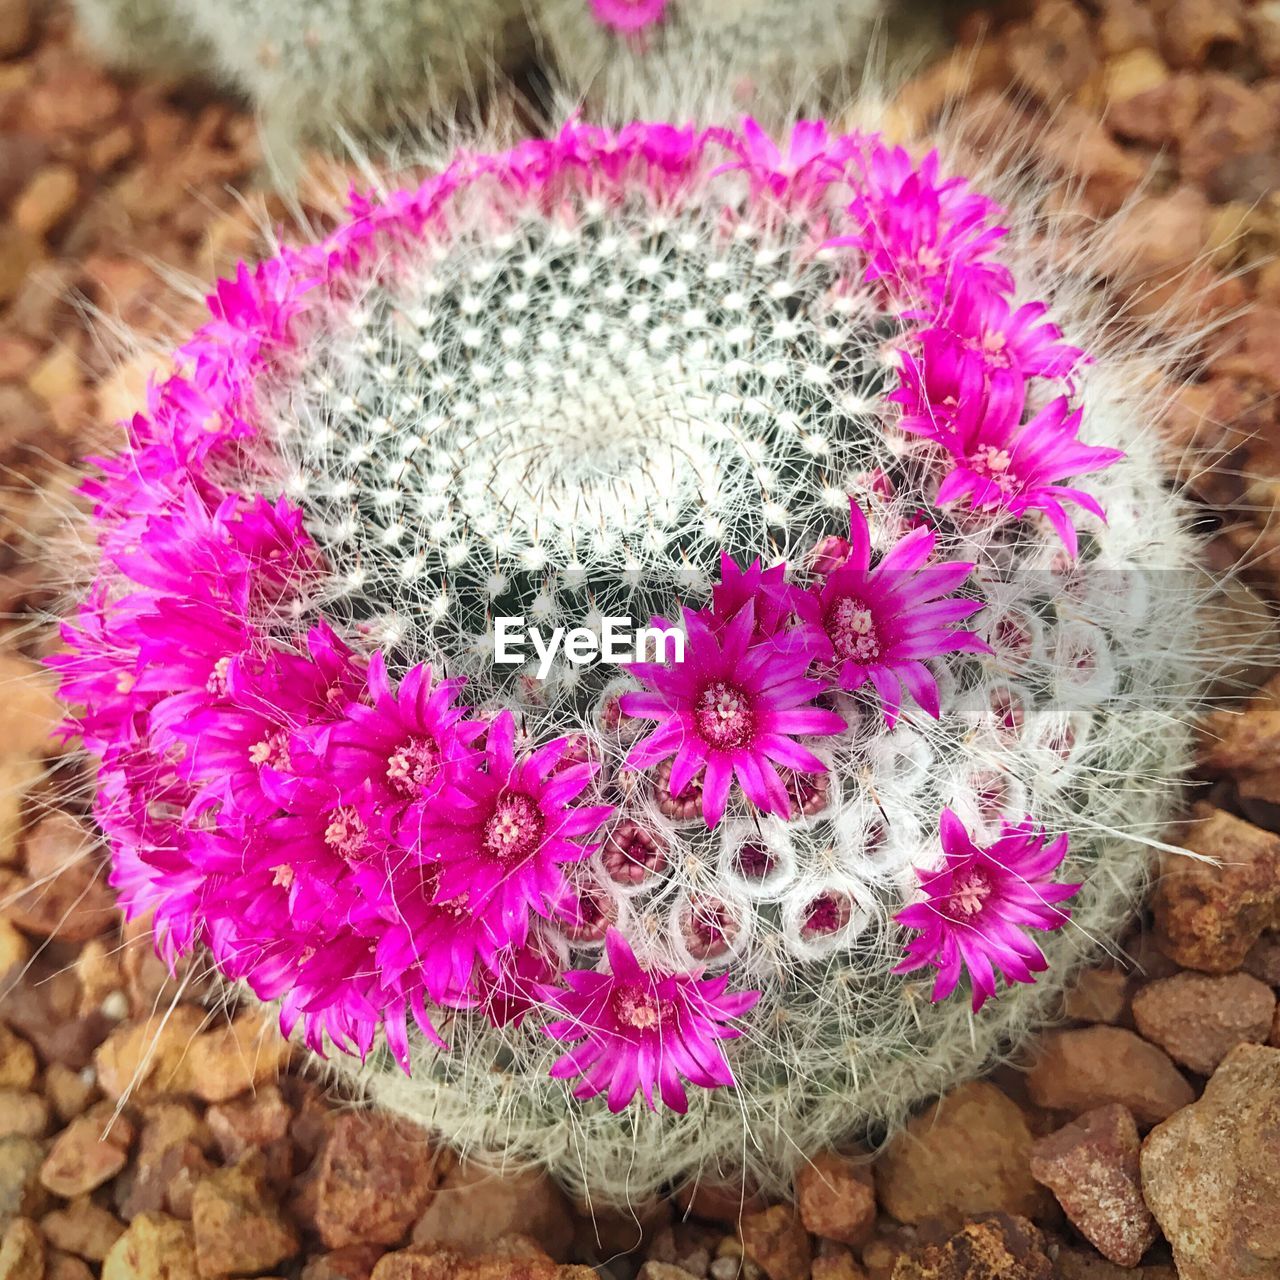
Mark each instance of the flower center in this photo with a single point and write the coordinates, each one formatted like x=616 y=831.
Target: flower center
x=852 y=628
x=217 y=681
x=724 y=717
x=272 y=750
x=634 y=1006
x=413 y=766
x=994 y=464
x=828 y=913
x=515 y=829
x=346 y=833
x=970 y=893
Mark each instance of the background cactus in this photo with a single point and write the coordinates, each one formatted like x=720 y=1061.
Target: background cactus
x=762 y=56
x=312 y=68
x=557 y=382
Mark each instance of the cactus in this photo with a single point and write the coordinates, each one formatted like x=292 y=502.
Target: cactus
x=864 y=442
x=144 y=35
x=766 y=56
x=312 y=69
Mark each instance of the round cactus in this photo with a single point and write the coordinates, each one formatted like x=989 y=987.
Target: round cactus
x=640 y=56
x=837 y=448
x=310 y=70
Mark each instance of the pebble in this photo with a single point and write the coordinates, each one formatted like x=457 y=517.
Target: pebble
x=82 y=1228
x=836 y=1195
x=1077 y=1070
x=1208 y=915
x=1192 y=29
x=999 y=1248
x=22 y=1251
x=1197 y=1020
x=91 y=1150
x=18 y=1067
x=473 y=1206
x=70 y=1093
x=1098 y=995
x=155 y=1247
x=238 y=1228
x=1052 y=55
x=965 y=1155
x=46 y=200
x=374 y=1176
x=15 y=26
x=838 y=1264
x=19 y=252
x=68 y=897
x=23 y=1113
x=776 y=1241
x=21 y=1191
x=353 y=1262
x=1211 y=1173
x=1091 y=1166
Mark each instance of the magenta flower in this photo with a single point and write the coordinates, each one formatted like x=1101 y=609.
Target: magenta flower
x=628 y=15
x=979 y=903
x=503 y=837
x=777 y=602
x=733 y=707
x=397 y=757
x=880 y=624
x=634 y=1029
x=919 y=232
x=1002 y=463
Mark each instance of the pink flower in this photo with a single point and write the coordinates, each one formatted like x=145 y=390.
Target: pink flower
x=979 y=903
x=735 y=707
x=394 y=759
x=502 y=839
x=879 y=624
x=1002 y=463
x=634 y=1029
x=809 y=166
x=628 y=15
x=919 y=232
x=776 y=602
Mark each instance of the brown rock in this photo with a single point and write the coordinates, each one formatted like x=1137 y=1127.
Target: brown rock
x=663 y=1271
x=776 y=1241
x=1209 y=914
x=1236 y=120
x=838 y=1264
x=1263 y=960
x=149 y=1060
x=417 y=1264
x=15 y=26
x=154 y=1248
x=46 y=200
x=1098 y=995
x=67 y=896
x=836 y=1196
x=71 y=1093
x=722 y=1202
x=62 y=1266
x=1192 y=29
x=21 y=1193
x=1078 y=1070
x=375 y=1175
x=230 y=1060
x=1091 y=1166
x=1211 y=1173
x=239 y=1230
x=1125 y=25
x=82 y=1228
x=474 y=1206
x=15 y=950
x=1079 y=1264
x=999 y=1248
x=23 y=1113
x=91 y=1150
x=1198 y=1019
x=965 y=1155
x=18 y=1068
x=687 y=1245
x=1159 y=115
x=353 y=1262
x=22 y=1251
x=1052 y=55
x=44 y=1006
